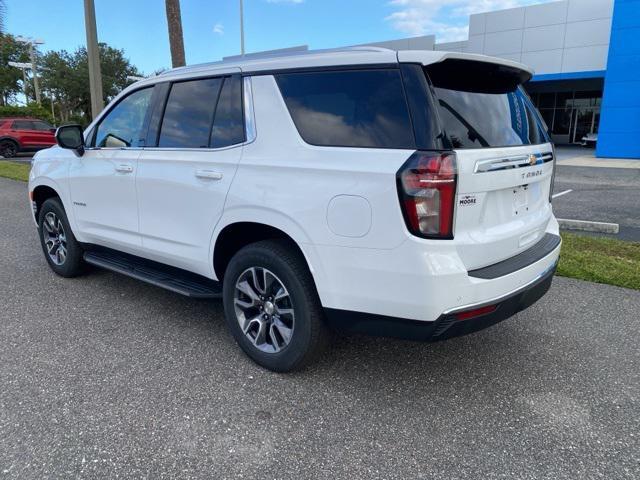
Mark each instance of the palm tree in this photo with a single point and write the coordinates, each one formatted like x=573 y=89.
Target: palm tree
x=174 y=22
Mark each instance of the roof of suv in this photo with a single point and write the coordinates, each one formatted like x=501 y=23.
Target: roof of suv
x=272 y=61
x=17 y=118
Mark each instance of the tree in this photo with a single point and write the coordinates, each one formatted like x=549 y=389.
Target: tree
x=176 y=42
x=11 y=79
x=66 y=75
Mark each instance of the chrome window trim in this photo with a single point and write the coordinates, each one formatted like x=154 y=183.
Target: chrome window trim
x=192 y=149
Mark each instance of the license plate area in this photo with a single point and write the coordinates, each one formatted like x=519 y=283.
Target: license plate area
x=520 y=200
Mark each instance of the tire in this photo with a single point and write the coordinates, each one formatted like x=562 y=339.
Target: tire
x=56 y=237
x=285 y=330
x=8 y=148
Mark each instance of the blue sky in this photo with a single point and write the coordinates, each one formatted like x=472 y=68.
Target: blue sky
x=211 y=27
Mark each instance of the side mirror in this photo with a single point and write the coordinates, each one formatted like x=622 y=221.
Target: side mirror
x=71 y=137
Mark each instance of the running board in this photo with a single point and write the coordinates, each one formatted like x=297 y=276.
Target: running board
x=171 y=278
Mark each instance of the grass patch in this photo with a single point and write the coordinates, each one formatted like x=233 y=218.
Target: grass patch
x=15 y=170
x=600 y=260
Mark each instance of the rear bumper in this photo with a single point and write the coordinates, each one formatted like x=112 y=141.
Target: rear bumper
x=447 y=325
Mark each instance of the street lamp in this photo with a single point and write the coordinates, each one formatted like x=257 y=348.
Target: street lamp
x=29 y=66
x=32 y=52
x=24 y=67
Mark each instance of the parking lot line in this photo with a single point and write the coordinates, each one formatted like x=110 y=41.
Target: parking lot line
x=561 y=193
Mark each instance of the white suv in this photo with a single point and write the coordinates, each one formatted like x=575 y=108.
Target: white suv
x=402 y=193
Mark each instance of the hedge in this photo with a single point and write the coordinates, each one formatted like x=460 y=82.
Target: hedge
x=31 y=110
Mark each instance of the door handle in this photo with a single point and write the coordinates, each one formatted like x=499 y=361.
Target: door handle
x=209 y=174
x=124 y=168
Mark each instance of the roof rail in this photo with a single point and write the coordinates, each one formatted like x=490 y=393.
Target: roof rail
x=268 y=53
x=366 y=48
x=283 y=52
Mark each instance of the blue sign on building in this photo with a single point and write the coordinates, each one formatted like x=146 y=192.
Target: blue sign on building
x=619 y=132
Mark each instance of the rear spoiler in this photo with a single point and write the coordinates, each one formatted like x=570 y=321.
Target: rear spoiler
x=469 y=72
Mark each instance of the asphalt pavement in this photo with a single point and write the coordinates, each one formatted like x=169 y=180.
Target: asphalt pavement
x=105 y=377
x=602 y=195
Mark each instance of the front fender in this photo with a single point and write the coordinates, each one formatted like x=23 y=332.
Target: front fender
x=52 y=170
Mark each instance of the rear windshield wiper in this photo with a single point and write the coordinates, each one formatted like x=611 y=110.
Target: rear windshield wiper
x=472 y=133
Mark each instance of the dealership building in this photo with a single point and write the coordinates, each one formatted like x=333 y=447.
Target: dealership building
x=586 y=58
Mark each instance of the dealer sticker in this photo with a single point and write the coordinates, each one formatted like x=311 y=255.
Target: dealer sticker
x=467 y=200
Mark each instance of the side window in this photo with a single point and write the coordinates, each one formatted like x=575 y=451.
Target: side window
x=188 y=115
x=354 y=108
x=42 y=126
x=122 y=127
x=228 y=125
x=23 y=125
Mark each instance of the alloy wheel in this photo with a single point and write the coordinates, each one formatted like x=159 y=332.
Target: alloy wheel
x=8 y=149
x=55 y=238
x=264 y=309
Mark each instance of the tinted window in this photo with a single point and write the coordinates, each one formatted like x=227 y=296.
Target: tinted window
x=365 y=108
x=228 y=125
x=188 y=115
x=479 y=120
x=122 y=127
x=42 y=126
x=23 y=125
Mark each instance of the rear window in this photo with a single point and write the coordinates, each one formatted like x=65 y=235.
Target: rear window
x=481 y=105
x=189 y=114
x=354 y=108
x=483 y=120
x=23 y=125
x=228 y=123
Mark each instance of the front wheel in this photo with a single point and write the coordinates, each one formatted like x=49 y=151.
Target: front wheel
x=61 y=249
x=272 y=307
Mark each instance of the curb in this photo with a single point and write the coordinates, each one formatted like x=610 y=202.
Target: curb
x=586 y=226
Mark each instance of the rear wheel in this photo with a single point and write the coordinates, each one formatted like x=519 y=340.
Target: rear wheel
x=61 y=249
x=272 y=308
x=8 y=148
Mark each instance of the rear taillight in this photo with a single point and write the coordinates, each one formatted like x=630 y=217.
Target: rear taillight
x=427 y=190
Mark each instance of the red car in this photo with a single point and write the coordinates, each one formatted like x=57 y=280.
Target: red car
x=24 y=135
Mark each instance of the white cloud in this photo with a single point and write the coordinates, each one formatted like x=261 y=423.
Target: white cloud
x=446 y=19
x=218 y=28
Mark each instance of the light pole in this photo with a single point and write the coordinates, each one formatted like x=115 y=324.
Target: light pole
x=241 y=27
x=28 y=66
x=24 y=67
x=53 y=112
x=32 y=53
x=93 y=57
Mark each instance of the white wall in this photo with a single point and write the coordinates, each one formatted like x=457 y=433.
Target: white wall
x=558 y=37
